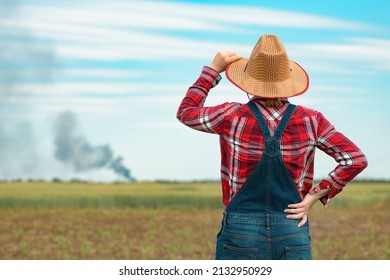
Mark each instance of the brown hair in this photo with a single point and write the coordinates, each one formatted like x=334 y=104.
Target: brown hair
x=273 y=102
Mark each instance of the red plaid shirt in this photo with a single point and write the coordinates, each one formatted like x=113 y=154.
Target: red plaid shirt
x=241 y=140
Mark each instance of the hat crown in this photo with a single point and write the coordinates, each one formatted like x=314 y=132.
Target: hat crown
x=268 y=72
x=269 y=61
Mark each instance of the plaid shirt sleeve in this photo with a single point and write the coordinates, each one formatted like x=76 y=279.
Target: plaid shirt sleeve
x=351 y=160
x=191 y=111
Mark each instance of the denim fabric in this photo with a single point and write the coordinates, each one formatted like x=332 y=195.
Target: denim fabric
x=254 y=225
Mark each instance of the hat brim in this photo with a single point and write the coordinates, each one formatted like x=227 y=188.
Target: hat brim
x=297 y=84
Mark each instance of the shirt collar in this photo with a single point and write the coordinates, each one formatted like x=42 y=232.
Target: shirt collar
x=271 y=113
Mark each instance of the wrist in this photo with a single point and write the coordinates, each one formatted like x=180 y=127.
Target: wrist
x=318 y=193
x=215 y=68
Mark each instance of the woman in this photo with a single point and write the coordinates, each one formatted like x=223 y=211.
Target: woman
x=267 y=153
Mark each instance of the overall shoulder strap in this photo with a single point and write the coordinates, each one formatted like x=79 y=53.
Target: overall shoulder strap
x=263 y=126
x=285 y=119
x=260 y=119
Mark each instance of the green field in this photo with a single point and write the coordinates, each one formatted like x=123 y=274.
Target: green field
x=168 y=221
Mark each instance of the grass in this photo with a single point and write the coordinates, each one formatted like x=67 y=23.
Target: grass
x=168 y=221
x=153 y=195
x=85 y=195
x=108 y=234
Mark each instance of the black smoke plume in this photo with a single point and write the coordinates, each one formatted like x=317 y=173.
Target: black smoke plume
x=76 y=151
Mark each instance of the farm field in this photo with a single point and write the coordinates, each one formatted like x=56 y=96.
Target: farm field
x=168 y=221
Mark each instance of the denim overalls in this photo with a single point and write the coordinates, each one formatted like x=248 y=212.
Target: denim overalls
x=254 y=225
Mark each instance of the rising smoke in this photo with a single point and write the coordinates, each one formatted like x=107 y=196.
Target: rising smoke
x=22 y=58
x=76 y=151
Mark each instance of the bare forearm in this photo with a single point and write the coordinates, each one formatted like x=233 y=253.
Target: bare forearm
x=320 y=194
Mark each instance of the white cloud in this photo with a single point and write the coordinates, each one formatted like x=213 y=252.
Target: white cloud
x=145 y=14
x=178 y=16
x=69 y=89
x=123 y=30
x=373 y=52
x=103 y=73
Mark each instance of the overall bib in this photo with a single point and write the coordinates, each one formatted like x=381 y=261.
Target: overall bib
x=254 y=225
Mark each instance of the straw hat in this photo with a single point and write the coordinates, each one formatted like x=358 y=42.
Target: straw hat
x=268 y=72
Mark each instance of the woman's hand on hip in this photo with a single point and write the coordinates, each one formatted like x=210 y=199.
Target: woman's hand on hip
x=301 y=210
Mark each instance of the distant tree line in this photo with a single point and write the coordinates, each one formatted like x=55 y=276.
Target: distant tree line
x=204 y=181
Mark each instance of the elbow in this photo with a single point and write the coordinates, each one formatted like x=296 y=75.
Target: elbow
x=179 y=116
x=179 y=113
x=364 y=163
x=363 y=160
x=357 y=163
x=361 y=163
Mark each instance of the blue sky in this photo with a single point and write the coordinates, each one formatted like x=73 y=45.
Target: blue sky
x=120 y=69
